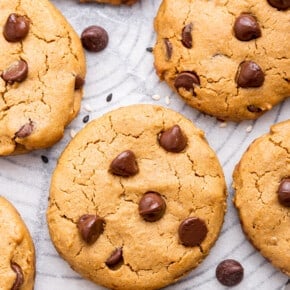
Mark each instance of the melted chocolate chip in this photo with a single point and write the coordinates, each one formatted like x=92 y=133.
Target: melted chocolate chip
x=187 y=80
x=280 y=4
x=16 y=27
x=79 y=82
x=124 y=164
x=192 y=231
x=17 y=72
x=94 y=38
x=19 y=276
x=25 y=130
x=284 y=192
x=250 y=75
x=90 y=227
x=186 y=37
x=152 y=206
x=168 y=47
x=254 y=109
x=229 y=272
x=246 y=27
x=115 y=258
x=173 y=139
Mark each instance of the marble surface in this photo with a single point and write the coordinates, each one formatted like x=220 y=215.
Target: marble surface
x=125 y=69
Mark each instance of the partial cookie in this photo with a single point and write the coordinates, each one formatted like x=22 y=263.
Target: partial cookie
x=229 y=59
x=262 y=184
x=42 y=71
x=17 y=250
x=137 y=199
x=112 y=2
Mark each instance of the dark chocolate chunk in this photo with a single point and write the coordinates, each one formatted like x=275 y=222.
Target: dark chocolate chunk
x=173 y=139
x=280 y=4
x=90 y=227
x=16 y=27
x=192 y=231
x=250 y=75
x=284 y=192
x=168 y=47
x=246 y=27
x=229 y=272
x=79 y=82
x=115 y=258
x=19 y=276
x=152 y=206
x=187 y=80
x=186 y=37
x=94 y=38
x=124 y=164
x=17 y=72
x=25 y=130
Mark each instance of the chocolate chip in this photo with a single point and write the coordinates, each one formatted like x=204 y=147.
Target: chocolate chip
x=192 y=231
x=94 y=38
x=254 y=109
x=168 y=47
x=186 y=37
x=187 y=80
x=284 y=192
x=246 y=27
x=17 y=72
x=173 y=139
x=19 y=276
x=44 y=159
x=229 y=272
x=90 y=227
x=149 y=49
x=250 y=75
x=86 y=119
x=280 y=4
x=79 y=82
x=16 y=27
x=25 y=130
x=109 y=97
x=152 y=206
x=124 y=164
x=115 y=258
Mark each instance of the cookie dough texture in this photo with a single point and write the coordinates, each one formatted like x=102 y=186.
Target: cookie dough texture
x=16 y=246
x=112 y=2
x=191 y=182
x=256 y=180
x=216 y=54
x=47 y=98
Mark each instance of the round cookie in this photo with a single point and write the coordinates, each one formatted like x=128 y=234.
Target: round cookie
x=262 y=192
x=17 y=250
x=229 y=59
x=42 y=70
x=137 y=199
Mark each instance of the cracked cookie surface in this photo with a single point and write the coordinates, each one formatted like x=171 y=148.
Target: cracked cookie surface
x=202 y=46
x=257 y=181
x=42 y=67
x=17 y=250
x=122 y=201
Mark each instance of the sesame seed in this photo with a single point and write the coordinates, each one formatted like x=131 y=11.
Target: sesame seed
x=72 y=133
x=156 y=97
x=44 y=159
x=86 y=118
x=249 y=129
x=149 y=49
x=167 y=100
x=109 y=98
x=88 y=108
x=223 y=124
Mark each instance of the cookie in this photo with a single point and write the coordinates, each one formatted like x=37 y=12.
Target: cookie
x=262 y=184
x=225 y=58
x=42 y=71
x=112 y=2
x=137 y=199
x=17 y=250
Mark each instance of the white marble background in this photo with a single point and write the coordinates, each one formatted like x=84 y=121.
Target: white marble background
x=125 y=69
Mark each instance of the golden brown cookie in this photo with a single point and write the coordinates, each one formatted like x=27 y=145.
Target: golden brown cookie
x=42 y=70
x=17 y=250
x=137 y=199
x=262 y=184
x=229 y=59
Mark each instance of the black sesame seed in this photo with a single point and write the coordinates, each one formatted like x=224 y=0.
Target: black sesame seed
x=44 y=159
x=149 y=49
x=109 y=98
x=86 y=118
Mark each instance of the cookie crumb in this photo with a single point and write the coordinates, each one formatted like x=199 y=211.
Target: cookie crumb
x=167 y=100
x=223 y=124
x=156 y=97
x=44 y=159
x=88 y=108
x=109 y=98
x=72 y=133
x=149 y=49
x=86 y=118
x=249 y=129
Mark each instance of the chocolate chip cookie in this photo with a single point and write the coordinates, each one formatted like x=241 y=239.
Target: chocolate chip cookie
x=262 y=184
x=17 y=250
x=137 y=199
x=42 y=70
x=229 y=59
